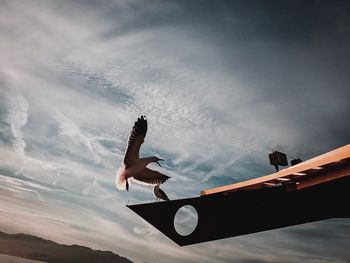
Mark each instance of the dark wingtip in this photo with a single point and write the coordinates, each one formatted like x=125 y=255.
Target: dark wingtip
x=141 y=125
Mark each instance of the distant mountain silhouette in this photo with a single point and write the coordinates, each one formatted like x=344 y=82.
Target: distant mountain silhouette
x=31 y=247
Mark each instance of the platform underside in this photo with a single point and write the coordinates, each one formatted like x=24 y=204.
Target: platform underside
x=230 y=214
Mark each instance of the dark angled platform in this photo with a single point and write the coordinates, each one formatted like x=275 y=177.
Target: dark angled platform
x=314 y=190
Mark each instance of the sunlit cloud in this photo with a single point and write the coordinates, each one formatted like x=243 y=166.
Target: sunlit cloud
x=219 y=84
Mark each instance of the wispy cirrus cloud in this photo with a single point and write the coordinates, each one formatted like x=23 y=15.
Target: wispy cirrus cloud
x=219 y=83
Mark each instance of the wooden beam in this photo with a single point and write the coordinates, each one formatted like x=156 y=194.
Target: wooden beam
x=319 y=161
x=282 y=179
x=298 y=173
x=269 y=184
x=325 y=176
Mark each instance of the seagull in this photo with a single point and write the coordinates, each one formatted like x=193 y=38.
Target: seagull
x=159 y=193
x=133 y=167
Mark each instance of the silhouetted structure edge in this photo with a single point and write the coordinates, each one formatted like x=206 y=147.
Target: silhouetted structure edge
x=320 y=192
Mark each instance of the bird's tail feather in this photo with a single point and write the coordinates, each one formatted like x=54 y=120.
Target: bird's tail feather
x=120 y=179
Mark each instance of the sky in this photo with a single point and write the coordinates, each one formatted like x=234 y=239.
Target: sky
x=221 y=83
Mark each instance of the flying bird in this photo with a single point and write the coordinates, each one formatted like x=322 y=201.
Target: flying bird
x=159 y=194
x=135 y=168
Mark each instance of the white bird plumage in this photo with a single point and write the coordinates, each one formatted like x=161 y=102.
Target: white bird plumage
x=134 y=167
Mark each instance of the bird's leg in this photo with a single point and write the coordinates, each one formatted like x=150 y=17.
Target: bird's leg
x=127 y=185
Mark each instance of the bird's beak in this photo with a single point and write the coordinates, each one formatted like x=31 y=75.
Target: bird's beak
x=158 y=162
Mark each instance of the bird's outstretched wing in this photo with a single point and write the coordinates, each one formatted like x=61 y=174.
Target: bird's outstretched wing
x=136 y=138
x=151 y=177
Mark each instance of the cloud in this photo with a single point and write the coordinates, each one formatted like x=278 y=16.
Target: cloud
x=219 y=84
x=14 y=112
